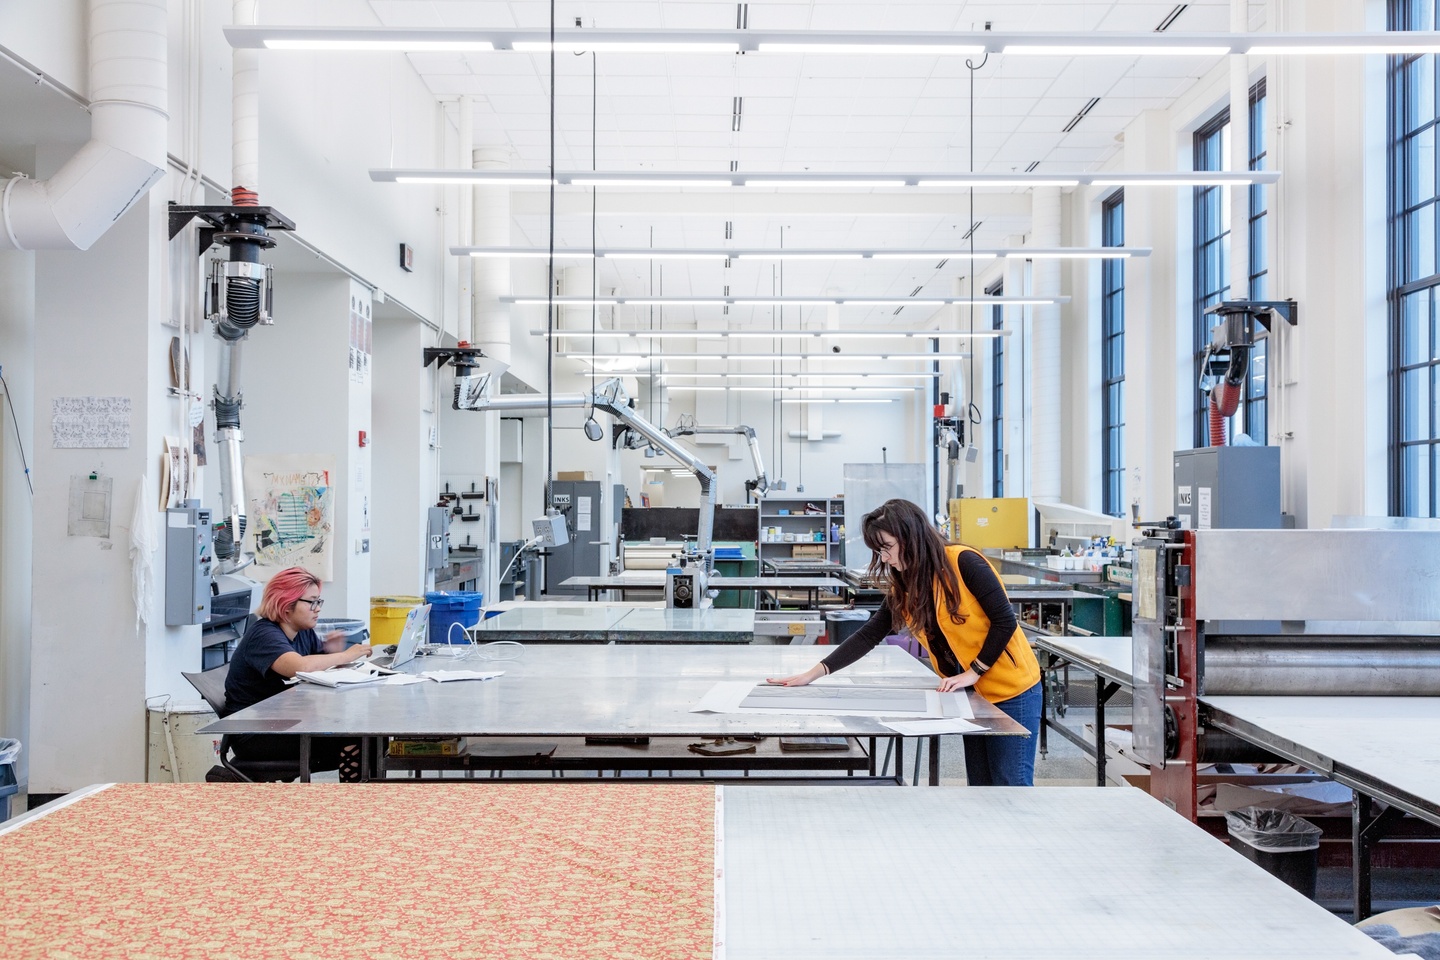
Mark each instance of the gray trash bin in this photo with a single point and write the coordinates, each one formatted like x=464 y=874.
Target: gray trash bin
x=840 y=624
x=1287 y=847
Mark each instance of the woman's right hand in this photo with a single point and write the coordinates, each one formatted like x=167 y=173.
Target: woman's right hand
x=799 y=679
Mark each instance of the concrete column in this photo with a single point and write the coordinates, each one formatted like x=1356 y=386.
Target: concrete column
x=17 y=347
x=1016 y=399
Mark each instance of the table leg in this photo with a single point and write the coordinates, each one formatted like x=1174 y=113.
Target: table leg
x=1365 y=832
x=899 y=743
x=304 y=758
x=934 y=761
x=1104 y=690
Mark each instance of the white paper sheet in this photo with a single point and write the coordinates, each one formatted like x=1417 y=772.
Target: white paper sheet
x=853 y=700
x=445 y=676
x=931 y=728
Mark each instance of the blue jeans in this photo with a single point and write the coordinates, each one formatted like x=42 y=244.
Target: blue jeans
x=1006 y=761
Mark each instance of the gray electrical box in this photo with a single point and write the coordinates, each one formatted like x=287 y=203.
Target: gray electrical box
x=437 y=538
x=1228 y=488
x=187 y=564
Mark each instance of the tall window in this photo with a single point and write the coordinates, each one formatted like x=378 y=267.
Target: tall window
x=1212 y=251
x=1414 y=274
x=1256 y=379
x=1112 y=356
x=997 y=395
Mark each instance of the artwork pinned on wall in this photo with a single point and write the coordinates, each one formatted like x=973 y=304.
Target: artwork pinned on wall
x=291 y=513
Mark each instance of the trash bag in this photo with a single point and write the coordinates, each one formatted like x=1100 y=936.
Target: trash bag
x=1272 y=830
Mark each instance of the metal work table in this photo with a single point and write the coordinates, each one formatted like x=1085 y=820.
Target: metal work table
x=589 y=690
x=800 y=566
x=817 y=873
x=1042 y=572
x=1028 y=590
x=1383 y=748
x=874 y=876
x=652 y=580
x=1110 y=659
x=597 y=623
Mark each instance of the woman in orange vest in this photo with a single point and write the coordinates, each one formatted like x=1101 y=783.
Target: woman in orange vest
x=955 y=605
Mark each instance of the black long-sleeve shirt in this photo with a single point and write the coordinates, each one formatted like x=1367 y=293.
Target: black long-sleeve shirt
x=977 y=577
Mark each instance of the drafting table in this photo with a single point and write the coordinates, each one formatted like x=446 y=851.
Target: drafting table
x=814 y=873
x=1110 y=659
x=1383 y=748
x=652 y=580
x=993 y=872
x=603 y=623
x=561 y=691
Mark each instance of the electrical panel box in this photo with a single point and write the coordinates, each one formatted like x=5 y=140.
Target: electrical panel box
x=437 y=538
x=1228 y=488
x=188 y=557
x=991 y=521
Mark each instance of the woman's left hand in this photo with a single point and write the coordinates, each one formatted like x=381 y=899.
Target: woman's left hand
x=959 y=682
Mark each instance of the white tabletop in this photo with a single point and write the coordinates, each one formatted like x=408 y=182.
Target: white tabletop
x=839 y=873
x=1113 y=657
x=1385 y=746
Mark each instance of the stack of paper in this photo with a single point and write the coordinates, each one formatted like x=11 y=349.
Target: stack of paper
x=361 y=671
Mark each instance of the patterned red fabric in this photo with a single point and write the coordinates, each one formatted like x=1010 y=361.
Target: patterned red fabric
x=327 y=871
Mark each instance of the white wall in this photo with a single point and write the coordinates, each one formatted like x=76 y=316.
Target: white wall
x=17 y=366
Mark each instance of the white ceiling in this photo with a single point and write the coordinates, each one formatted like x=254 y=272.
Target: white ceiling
x=823 y=113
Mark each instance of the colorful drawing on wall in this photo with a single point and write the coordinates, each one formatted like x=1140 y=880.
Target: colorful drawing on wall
x=291 y=513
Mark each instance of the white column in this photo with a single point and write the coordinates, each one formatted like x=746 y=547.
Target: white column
x=1046 y=435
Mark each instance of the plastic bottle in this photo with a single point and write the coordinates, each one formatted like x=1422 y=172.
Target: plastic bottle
x=834 y=533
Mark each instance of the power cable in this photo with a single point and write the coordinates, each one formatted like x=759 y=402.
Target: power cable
x=23 y=462
x=550 y=295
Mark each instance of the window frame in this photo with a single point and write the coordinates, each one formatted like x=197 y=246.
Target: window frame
x=1112 y=358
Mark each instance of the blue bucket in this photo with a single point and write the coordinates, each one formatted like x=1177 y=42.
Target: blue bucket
x=448 y=608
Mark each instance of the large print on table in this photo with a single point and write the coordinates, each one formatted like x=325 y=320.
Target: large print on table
x=292 y=513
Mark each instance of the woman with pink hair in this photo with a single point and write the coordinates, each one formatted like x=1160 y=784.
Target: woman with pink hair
x=279 y=644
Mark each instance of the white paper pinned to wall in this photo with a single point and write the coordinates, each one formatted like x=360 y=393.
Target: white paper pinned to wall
x=90 y=422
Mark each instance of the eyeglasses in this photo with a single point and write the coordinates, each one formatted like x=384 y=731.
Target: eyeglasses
x=315 y=602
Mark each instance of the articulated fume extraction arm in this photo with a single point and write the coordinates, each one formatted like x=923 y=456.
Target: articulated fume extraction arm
x=1227 y=355
x=686 y=426
x=238 y=298
x=639 y=433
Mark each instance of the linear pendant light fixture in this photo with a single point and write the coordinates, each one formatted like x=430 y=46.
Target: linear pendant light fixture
x=844 y=43
x=1013 y=253
x=837 y=181
x=782 y=301
x=703 y=333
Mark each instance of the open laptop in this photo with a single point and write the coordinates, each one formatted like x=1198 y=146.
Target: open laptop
x=417 y=626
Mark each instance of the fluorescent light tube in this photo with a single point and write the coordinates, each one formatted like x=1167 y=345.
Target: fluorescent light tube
x=661 y=255
x=480 y=178
x=657 y=182
x=1396 y=47
x=1066 y=255
x=623 y=46
x=418 y=46
x=824 y=183
x=1113 y=50
x=876 y=49
x=932 y=254
x=977 y=182
x=783 y=255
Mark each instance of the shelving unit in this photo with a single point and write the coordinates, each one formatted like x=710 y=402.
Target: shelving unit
x=800 y=524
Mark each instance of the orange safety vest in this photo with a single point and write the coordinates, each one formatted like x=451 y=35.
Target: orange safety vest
x=1014 y=671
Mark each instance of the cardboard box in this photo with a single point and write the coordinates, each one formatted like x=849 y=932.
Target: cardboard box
x=574 y=475
x=808 y=551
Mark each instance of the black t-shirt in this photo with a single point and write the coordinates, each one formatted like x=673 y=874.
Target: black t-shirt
x=250 y=679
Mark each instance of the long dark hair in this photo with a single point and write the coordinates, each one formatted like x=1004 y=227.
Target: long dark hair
x=911 y=597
